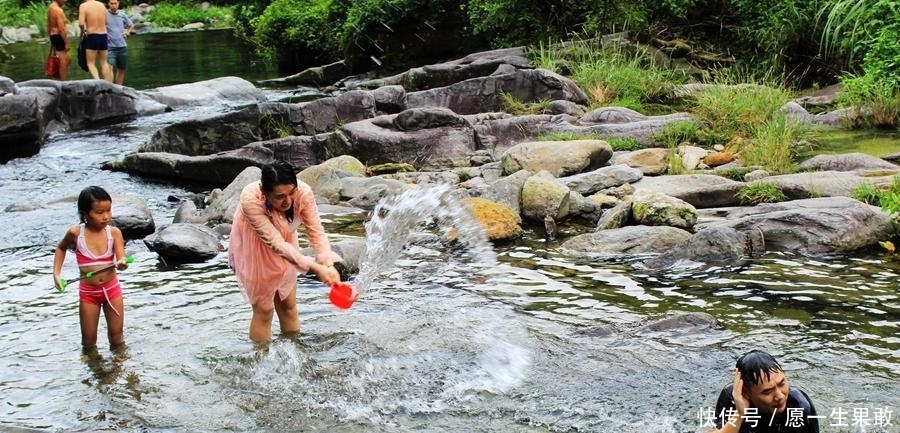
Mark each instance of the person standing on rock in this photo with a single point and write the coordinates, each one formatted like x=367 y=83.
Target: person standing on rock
x=56 y=28
x=92 y=20
x=264 y=250
x=118 y=27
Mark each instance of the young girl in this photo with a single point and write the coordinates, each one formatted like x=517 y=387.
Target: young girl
x=97 y=245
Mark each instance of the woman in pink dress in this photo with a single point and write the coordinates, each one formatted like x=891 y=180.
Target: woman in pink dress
x=264 y=250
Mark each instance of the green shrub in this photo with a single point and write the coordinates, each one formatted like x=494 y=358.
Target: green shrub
x=178 y=15
x=292 y=29
x=867 y=193
x=761 y=192
x=875 y=95
x=626 y=143
x=11 y=14
x=888 y=199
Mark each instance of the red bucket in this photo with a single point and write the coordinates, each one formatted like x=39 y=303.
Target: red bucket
x=342 y=295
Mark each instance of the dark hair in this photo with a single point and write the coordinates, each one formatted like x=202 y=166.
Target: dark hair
x=87 y=198
x=278 y=173
x=756 y=363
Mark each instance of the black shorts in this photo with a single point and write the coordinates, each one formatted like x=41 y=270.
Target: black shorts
x=57 y=42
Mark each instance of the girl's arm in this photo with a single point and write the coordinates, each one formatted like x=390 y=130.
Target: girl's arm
x=59 y=256
x=119 y=248
x=306 y=208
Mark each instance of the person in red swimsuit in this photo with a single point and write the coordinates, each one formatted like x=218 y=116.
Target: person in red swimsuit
x=97 y=245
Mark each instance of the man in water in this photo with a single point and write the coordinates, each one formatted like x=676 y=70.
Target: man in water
x=92 y=20
x=118 y=27
x=762 y=401
x=56 y=28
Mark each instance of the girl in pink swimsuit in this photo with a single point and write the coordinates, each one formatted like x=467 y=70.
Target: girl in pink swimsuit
x=96 y=245
x=264 y=251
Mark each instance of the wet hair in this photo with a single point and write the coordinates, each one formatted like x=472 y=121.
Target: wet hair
x=278 y=173
x=87 y=198
x=755 y=364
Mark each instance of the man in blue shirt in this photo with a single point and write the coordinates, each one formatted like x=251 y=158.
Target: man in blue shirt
x=118 y=27
x=760 y=400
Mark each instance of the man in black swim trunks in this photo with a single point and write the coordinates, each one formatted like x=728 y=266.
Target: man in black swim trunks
x=762 y=401
x=92 y=20
x=56 y=28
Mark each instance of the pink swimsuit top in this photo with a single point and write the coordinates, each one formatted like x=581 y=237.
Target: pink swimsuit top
x=85 y=257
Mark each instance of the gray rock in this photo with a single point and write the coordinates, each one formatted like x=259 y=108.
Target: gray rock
x=625 y=241
x=132 y=216
x=831 y=225
x=846 y=162
x=232 y=91
x=185 y=243
x=714 y=245
x=602 y=178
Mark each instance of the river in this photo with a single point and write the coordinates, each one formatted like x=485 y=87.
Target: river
x=505 y=338
x=155 y=59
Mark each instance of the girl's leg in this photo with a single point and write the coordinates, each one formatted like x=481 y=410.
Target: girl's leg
x=261 y=323
x=286 y=308
x=115 y=323
x=89 y=315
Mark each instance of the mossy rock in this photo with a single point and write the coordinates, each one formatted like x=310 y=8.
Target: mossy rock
x=499 y=221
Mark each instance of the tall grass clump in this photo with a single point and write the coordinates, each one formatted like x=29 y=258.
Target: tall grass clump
x=609 y=76
x=774 y=145
x=518 y=107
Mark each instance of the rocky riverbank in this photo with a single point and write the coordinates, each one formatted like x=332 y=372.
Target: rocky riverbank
x=442 y=124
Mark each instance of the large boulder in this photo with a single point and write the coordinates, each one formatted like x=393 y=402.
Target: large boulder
x=23 y=121
x=714 y=245
x=320 y=115
x=208 y=170
x=84 y=103
x=846 y=162
x=499 y=221
x=185 y=243
x=444 y=74
x=602 y=178
x=486 y=94
x=423 y=137
x=700 y=190
x=544 y=195
x=559 y=158
x=657 y=209
x=625 y=241
x=132 y=216
x=215 y=92
x=208 y=134
x=830 y=225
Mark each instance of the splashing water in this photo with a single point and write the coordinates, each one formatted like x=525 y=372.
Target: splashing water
x=428 y=221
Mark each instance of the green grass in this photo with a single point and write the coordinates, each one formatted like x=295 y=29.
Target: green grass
x=609 y=77
x=567 y=136
x=178 y=15
x=515 y=106
x=773 y=145
x=761 y=192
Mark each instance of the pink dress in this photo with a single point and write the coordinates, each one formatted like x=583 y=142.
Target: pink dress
x=264 y=250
